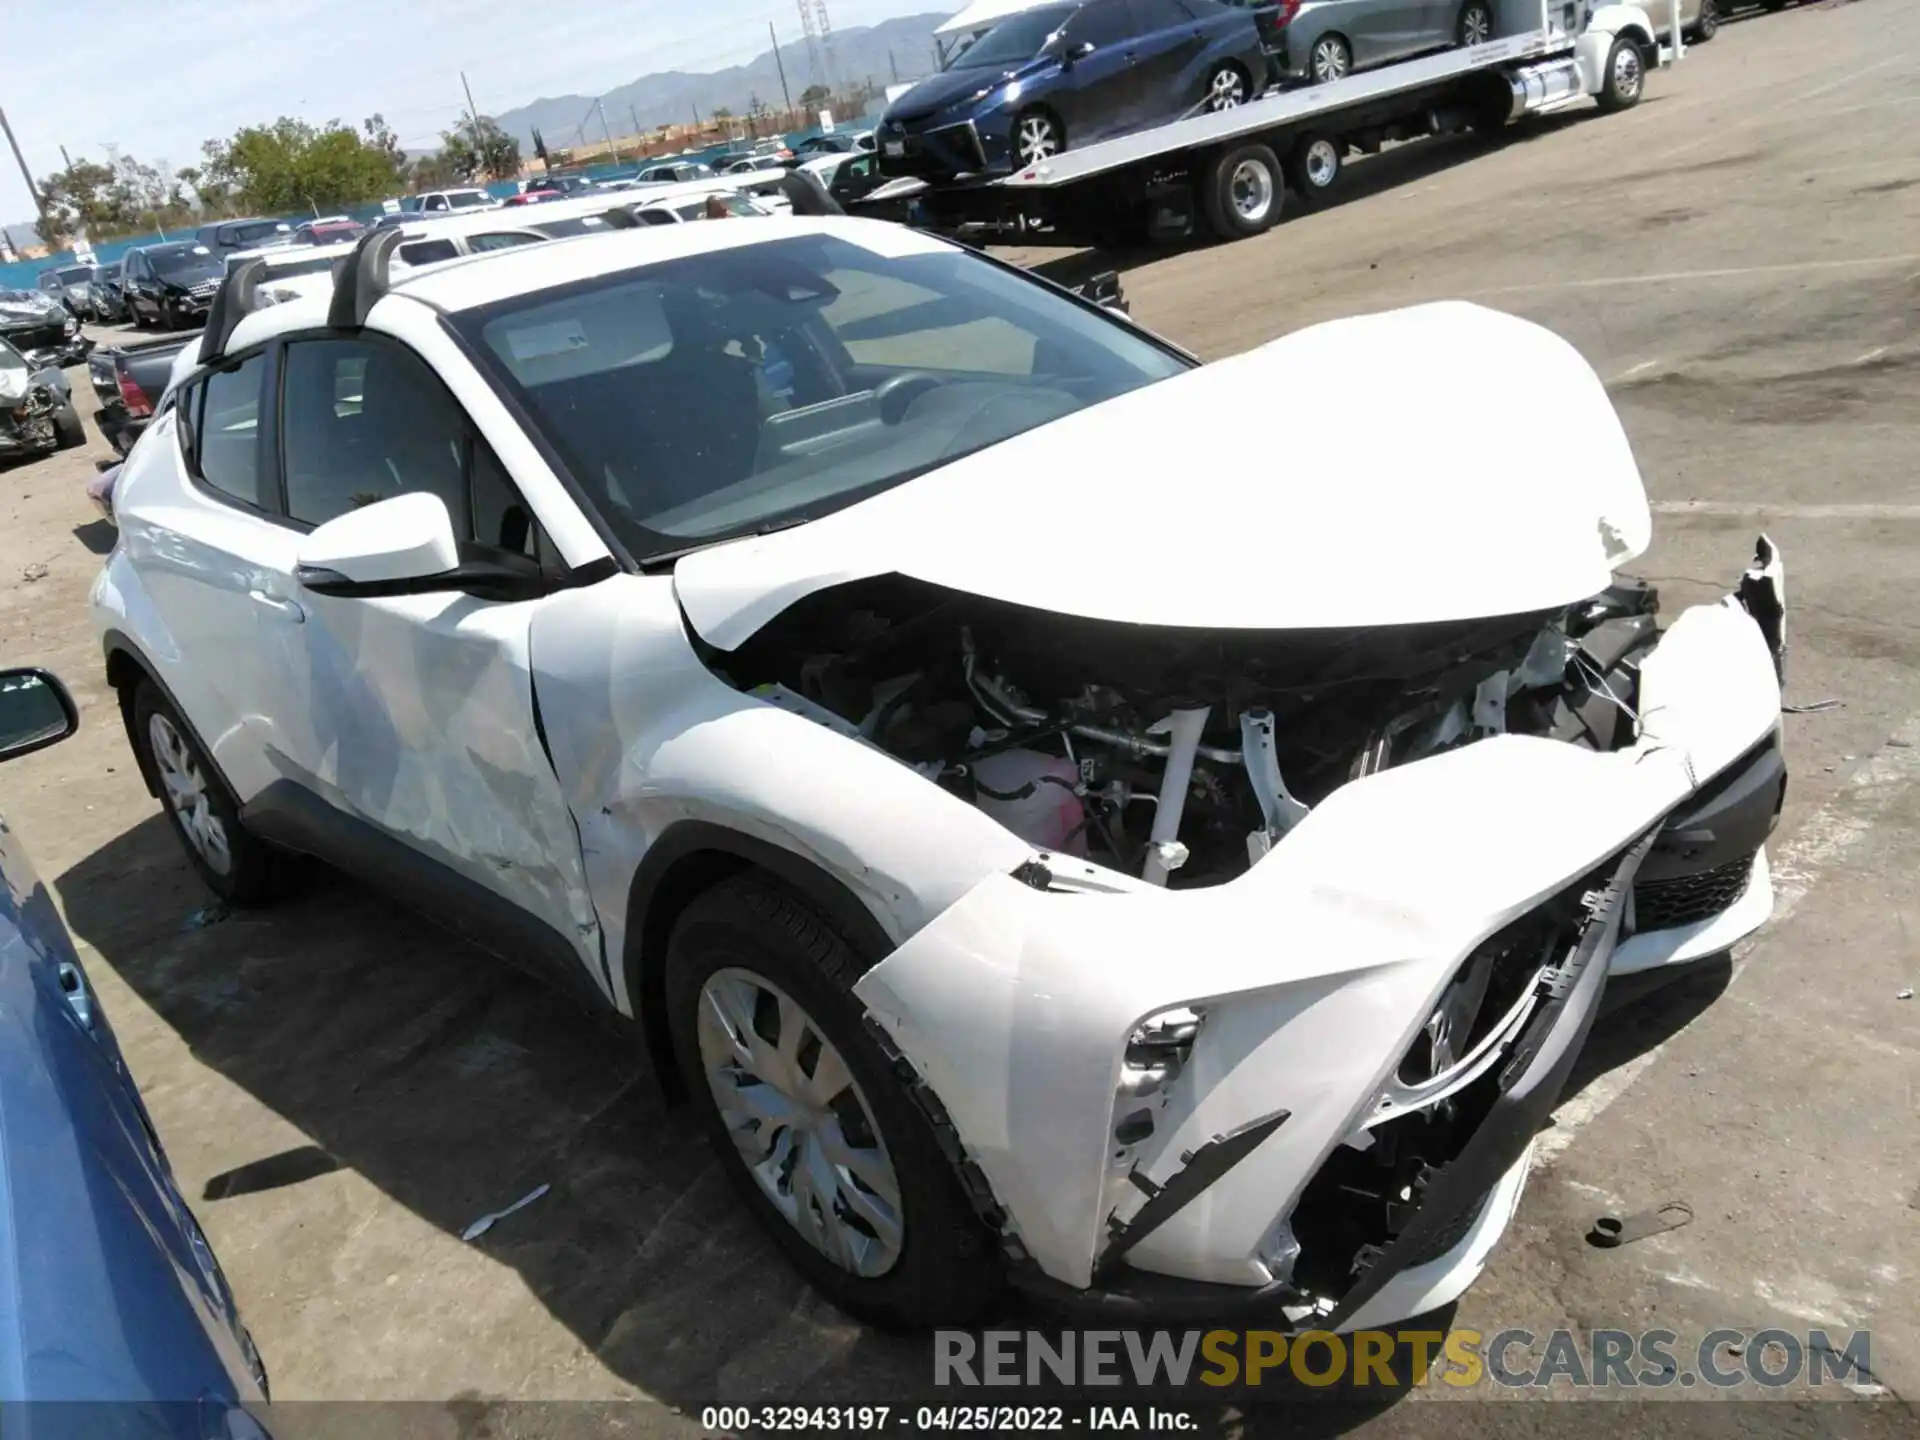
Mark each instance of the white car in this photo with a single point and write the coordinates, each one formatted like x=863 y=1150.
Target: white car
x=1040 y=844
x=447 y=202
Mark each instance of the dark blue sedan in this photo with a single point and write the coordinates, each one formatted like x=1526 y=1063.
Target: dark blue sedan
x=114 y=1316
x=1071 y=74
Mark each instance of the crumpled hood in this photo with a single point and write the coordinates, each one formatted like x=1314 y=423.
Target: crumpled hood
x=1443 y=462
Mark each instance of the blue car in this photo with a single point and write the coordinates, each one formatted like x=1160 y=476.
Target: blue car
x=114 y=1316
x=1070 y=74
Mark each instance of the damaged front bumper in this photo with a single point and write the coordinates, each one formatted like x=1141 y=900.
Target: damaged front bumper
x=1170 y=1100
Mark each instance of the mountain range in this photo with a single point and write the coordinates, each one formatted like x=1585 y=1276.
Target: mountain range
x=901 y=47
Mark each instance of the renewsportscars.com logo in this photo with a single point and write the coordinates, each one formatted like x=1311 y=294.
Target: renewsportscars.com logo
x=1394 y=1359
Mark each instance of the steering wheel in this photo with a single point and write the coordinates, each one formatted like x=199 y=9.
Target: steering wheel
x=894 y=394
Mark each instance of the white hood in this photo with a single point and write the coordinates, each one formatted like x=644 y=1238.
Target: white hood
x=1443 y=462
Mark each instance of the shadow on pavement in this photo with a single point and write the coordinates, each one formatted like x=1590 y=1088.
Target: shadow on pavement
x=455 y=1085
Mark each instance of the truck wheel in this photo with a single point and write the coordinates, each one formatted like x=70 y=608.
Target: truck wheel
x=68 y=432
x=1475 y=25
x=1241 y=192
x=1707 y=25
x=812 y=1125
x=1330 y=59
x=1626 y=77
x=1314 y=166
x=1037 y=136
x=238 y=867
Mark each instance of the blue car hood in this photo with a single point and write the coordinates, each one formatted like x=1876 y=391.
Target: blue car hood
x=956 y=87
x=108 y=1291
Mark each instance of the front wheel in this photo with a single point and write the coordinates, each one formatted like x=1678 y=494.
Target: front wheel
x=813 y=1127
x=68 y=432
x=1241 y=192
x=1475 y=25
x=1037 y=136
x=1626 y=77
x=1330 y=59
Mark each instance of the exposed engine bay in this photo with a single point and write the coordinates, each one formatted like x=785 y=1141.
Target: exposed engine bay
x=1180 y=755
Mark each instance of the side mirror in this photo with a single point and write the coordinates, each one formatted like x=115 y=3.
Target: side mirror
x=406 y=546
x=1077 y=52
x=401 y=541
x=35 y=711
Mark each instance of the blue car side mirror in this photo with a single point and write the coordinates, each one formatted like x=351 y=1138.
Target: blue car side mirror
x=1078 y=52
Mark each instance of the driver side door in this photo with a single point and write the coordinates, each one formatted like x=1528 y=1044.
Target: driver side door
x=1099 y=92
x=412 y=718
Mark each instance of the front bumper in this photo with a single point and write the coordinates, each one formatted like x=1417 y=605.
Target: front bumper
x=931 y=151
x=1315 y=973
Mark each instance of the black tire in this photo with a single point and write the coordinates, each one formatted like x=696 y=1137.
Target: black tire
x=68 y=432
x=1227 y=206
x=1215 y=101
x=134 y=318
x=1314 y=166
x=947 y=1270
x=1037 y=115
x=1330 y=53
x=1707 y=24
x=1475 y=23
x=1626 y=78
x=255 y=872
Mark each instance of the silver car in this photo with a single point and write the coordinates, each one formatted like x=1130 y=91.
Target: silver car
x=1330 y=39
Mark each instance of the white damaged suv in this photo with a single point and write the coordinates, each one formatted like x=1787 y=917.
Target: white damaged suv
x=1048 y=835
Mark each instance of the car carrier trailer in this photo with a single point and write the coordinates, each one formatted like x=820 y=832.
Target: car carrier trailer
x=1226 y=173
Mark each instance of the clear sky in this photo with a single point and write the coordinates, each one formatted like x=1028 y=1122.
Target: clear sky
x=210 y=66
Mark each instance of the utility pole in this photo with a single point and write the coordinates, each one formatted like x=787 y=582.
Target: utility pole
x=609 y=129
x=634 y=115
x=893 y=66
x=780 y=65
x=39 y=200
x=472 y=114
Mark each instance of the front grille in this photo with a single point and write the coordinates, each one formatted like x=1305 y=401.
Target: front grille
x=1689 y=899
x=1449 y=1234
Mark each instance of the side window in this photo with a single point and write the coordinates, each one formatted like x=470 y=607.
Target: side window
x=657 y=215
x=1103 y=23
x=504 y=240
x=362 y=422
x=226 y=432
x=1152 y=15
x=501 y=518
x=436 y=202
x=428 y=252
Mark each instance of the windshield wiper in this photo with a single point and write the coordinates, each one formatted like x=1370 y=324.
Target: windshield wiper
x=667 y=557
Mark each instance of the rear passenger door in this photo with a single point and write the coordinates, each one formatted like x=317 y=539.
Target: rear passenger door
x=414 y=714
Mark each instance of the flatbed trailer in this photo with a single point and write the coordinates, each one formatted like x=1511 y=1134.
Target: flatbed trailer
x=1226 y=173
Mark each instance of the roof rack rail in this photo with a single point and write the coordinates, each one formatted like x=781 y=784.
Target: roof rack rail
x=231 y=302
x=363 y=280
x=807 y=195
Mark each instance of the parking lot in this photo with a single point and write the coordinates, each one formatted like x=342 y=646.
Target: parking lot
x=342 y=1089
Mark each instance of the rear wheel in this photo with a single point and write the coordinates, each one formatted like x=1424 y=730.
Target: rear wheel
x=1314 y=167
x=1626 y=77
x=1037 y=136
x=1330 y=59
x=238 y=868
x=811 y=1124
x=1241 y=192
x=1227 y=88
x=1475 y=25
x=1707 y=25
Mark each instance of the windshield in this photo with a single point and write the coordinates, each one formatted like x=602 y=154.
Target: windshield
x=571 y=225
x=79 y=276
x=306 y=265
x=252 y=233
x=468 y=199
x=191 y=262
x=721 y=393
x=1017 y=38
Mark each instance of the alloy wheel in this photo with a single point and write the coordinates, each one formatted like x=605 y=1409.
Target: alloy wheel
x=1476 y=25
x=1228 y=90
x=188 y=794
x=1330 y=59
x=799 y=1121
x=1037 y=139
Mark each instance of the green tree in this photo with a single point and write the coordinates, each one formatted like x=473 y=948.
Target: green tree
x=478 y=148
x=433 y=172
x=291 y=165
x=814 y=97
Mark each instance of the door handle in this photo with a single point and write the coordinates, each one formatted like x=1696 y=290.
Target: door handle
x=285 y=609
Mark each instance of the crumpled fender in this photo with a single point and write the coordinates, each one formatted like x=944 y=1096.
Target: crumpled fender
x=1317 y=966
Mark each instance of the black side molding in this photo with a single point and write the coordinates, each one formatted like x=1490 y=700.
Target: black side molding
x=363 y=280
